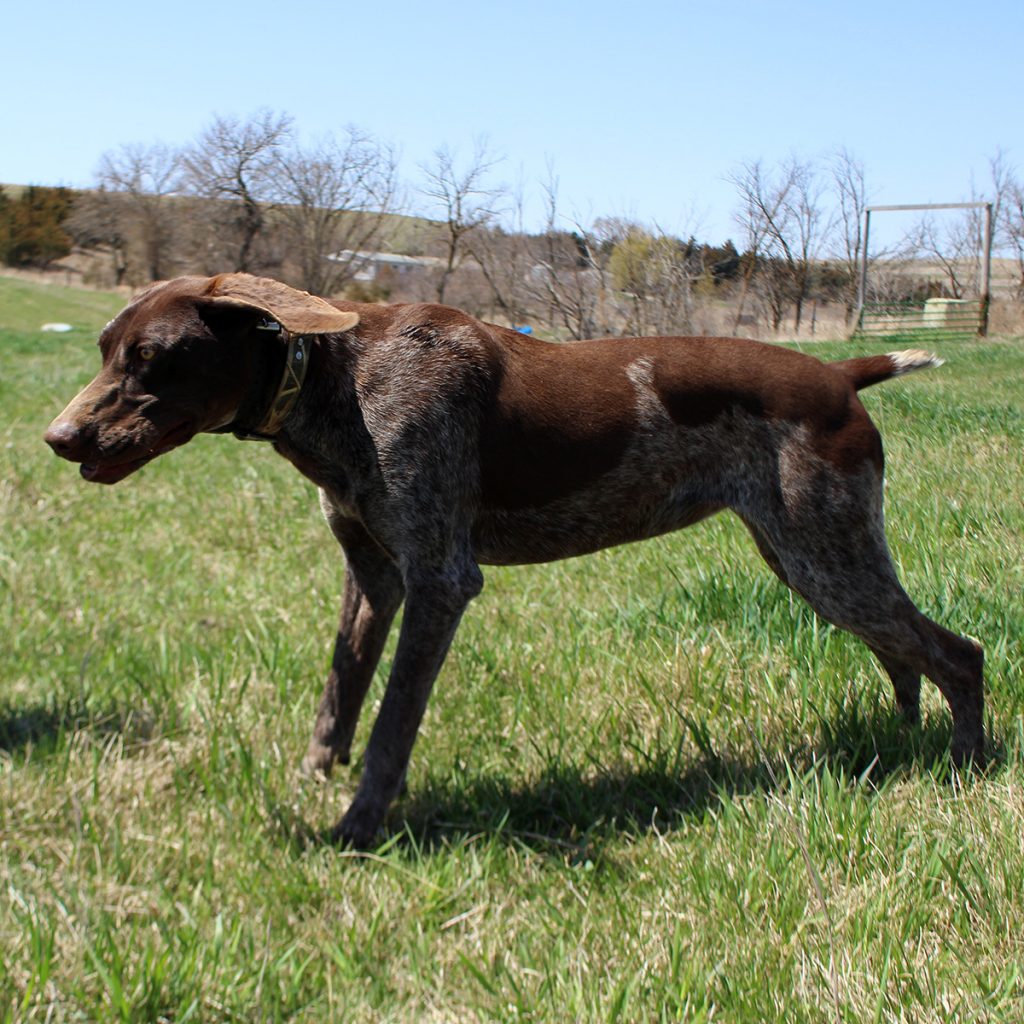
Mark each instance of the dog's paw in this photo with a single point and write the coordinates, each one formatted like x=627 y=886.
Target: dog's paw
x=358 y=828
x=360 y=824
x=969 y=756
x=318 y=762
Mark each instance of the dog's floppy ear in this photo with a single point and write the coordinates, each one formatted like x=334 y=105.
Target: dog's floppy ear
x=297 y=312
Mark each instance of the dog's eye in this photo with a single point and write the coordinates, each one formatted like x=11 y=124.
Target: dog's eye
x=146 y=352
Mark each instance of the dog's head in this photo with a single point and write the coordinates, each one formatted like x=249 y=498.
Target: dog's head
x=185 y=356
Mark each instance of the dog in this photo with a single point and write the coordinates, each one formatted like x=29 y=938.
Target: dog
x=439 y=443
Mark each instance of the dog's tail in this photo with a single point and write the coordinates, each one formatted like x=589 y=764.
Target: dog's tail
x=867 y=370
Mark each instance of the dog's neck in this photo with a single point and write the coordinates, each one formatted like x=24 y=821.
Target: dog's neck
x=289 y=388
x=325 y=437
x=280 y=363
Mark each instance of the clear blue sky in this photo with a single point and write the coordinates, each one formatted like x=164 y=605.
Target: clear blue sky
x=643 y=108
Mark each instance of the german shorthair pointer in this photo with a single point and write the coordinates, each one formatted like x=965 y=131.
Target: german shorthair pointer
x=440 y=443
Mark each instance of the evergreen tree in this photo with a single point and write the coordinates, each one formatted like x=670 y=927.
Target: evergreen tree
x=30 y=226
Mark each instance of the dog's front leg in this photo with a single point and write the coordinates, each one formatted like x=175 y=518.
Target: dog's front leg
x=373 y=593
x=362 y=632
x=434 y=605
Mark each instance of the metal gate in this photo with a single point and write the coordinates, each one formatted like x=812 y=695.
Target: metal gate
x=932 y=318
x=937 y=319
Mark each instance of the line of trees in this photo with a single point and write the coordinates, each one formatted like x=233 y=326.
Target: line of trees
x=247 y=194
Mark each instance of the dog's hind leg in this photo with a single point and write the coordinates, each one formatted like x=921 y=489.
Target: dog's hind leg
x=906 y=680
x=906 y=684
x=830 y=547
x=372 y=595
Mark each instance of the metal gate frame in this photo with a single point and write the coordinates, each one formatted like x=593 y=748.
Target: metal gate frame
x=977 y=320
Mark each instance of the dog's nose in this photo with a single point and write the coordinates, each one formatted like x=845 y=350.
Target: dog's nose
x=64 y=437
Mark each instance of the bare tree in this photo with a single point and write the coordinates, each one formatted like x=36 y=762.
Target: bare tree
x=952 y=246
x=465 y=200
x=1012 y=227
x=231 y=165
x=955 y=245
x=810 y=227
x=334 y=198
x=849 y=186
x=569 y=280
x=98 y=224
x=131 y=212
x=1008 y=213
x=761 y=204
x=890 y=266
x=782 y=217
x=505 y=259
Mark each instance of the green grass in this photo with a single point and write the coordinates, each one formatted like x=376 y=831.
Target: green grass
x=25 y=306
x=650 y=784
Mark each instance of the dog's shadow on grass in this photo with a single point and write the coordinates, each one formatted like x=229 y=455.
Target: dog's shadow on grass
x=573 y=811
x=40 y=728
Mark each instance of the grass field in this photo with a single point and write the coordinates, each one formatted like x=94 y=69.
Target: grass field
x=650 y=784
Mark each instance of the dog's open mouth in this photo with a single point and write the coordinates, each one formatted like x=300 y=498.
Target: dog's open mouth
x=112 y=472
